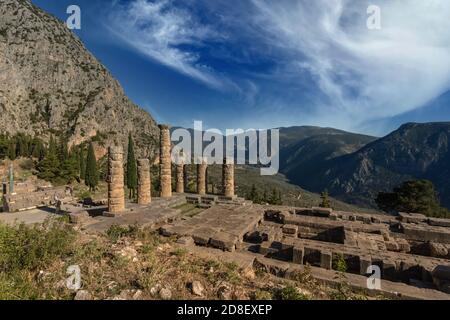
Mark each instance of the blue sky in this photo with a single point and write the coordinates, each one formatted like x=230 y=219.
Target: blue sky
x=265 y=64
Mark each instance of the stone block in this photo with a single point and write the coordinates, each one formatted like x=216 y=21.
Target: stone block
x=187 y=241
x=438 y=250
x=404 y=245
x=79 y=217
x=364 y=263
x=322 y=212
x=389 y=269
x=266 y=249
x=392 y=245
x=298 y=254
x=290 y=229
x=224 y=241
x=326 y=260
x=439 y=222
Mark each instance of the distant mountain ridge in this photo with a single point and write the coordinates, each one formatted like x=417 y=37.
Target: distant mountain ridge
x=414 y=151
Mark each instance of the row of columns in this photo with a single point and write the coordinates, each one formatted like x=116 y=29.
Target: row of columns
x=116 y=193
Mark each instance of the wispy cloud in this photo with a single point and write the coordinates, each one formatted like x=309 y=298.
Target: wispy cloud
x=364 y=74
x=166 y=33
x=320 y=61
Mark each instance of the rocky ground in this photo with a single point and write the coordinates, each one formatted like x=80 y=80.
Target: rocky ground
x=133 y=264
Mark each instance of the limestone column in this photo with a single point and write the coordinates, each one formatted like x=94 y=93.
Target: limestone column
x=228 y=178
x=180 y=177
x=11 y=179
x=116 y=193
x=144 y=183
x=165 y=162
x=201 y=177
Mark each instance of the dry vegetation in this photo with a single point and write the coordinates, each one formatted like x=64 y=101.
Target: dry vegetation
x=129 y=263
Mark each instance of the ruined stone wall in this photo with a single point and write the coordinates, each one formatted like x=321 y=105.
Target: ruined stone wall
x=116 y=193
x=25 y=201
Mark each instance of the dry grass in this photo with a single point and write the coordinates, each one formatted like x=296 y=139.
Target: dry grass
x=132 y=263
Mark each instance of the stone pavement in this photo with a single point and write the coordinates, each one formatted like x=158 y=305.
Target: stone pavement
x=159 y=211
x=221 y=226
x=28 y=217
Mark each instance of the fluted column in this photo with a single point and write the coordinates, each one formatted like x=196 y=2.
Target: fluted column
x=180 y=178
x=201 y=177
x=165 y=162
x=116 y=193
x=228 y=178
x=144 y=182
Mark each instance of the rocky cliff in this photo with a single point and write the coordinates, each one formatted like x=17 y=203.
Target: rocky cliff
x=51 y=84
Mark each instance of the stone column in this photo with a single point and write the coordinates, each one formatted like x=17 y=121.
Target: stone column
x=11 y=179
x=116 y=193
x=165 y=162
x=180 y=178
x=144 y=182
x=228 y=178
x=201 y=177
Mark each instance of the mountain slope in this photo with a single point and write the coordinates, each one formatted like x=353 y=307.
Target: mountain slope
x=414 y=151
x=50 y=84
x=306 y=149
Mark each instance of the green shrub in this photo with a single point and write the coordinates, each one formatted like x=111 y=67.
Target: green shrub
x=339 y=263
x=30 y=248
x=288 y=293
x=115 y=232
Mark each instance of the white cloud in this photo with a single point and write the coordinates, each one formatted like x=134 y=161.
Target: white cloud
x=365 y=74
x=158 y=29
x=362 y=75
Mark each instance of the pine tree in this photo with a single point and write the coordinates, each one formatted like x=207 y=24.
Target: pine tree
x=325 y=200
x=69 y=168
x=91 y=176
x=49 y=166
x=131 y=169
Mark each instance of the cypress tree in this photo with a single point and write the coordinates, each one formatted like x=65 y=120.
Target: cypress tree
x=91 y=176
x=82 y=164
x=12 y=150
x=131 y=168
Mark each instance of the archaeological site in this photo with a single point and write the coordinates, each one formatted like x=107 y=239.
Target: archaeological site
x=408 y=253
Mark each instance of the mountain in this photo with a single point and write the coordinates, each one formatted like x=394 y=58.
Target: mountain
x=306 y=149
x=414 y=151
x=51 y=84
